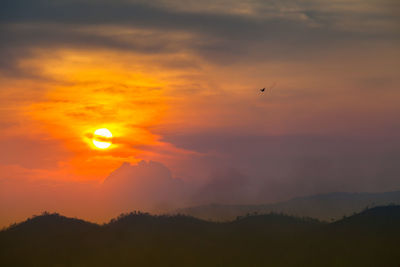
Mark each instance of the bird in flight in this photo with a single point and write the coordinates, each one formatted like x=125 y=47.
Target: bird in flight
x=270 y=88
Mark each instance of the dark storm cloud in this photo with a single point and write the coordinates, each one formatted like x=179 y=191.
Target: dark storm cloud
x=219 y=37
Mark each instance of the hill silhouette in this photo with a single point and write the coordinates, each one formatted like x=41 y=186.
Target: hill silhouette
x=369 y=238
x=327 y=207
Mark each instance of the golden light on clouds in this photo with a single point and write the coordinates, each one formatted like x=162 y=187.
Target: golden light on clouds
x=83 y=93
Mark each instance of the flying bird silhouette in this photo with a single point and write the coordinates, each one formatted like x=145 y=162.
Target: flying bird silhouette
x=269 y=88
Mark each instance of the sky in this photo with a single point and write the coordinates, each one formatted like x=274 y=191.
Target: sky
x=177 y=84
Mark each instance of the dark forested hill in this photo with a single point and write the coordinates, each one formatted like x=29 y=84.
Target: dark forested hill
x=327 y=207
x=369 y=238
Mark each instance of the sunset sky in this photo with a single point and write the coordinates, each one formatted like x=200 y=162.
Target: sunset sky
x=177 y=84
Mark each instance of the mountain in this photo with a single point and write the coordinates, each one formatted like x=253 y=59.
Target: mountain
x=369 y=238
x=326 y=207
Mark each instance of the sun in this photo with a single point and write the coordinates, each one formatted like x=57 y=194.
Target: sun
x=102 y=138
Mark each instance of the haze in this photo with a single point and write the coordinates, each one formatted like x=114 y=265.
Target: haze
x=177 y=83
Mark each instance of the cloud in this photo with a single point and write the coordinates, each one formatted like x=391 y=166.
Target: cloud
x=284 y=170
x=220 y=34
x=272 y=168
x=227 y=186
x=147 y=185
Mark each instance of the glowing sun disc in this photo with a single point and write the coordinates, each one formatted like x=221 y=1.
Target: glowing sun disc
x=100 y=138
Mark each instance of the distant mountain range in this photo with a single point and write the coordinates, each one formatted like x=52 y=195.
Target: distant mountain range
x=369 y=238
x=327 y=207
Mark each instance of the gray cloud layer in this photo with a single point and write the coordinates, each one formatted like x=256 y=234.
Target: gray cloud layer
x=270 y=29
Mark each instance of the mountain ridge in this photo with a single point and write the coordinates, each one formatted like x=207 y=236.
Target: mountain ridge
x=326 y=207
x=141 y=239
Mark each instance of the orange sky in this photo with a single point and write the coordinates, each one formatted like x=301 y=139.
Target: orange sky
x=171 y=78
x=81 y=91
